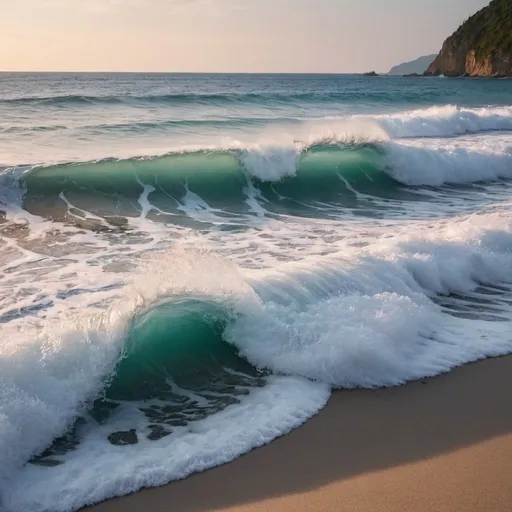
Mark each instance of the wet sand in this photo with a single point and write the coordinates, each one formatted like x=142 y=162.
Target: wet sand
x=437 y=445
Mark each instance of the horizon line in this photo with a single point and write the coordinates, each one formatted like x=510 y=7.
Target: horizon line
x=3 y=71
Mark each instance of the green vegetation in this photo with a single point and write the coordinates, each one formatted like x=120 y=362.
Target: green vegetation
x=489 y=31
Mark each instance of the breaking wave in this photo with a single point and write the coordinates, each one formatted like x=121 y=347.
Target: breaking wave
x=315 y=171
x=195 y=335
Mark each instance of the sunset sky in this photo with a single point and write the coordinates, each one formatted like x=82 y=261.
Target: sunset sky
x=224 y=35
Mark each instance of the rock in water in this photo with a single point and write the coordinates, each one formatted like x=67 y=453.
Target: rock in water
x=124 y=437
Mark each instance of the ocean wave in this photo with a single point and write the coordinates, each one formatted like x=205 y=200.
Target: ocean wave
x=64 y=369
x=144 y=126
x=439 y=121
x=370 y=318
x=326 y=169
x=364 y=318
x=224 y=98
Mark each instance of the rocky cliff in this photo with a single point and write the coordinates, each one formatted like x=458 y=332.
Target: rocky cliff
x=482 y=46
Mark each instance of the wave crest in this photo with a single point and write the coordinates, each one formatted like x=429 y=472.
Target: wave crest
x=307 y=169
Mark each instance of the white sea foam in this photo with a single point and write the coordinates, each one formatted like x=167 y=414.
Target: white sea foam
x=271 y=163
x=366 y=319
x=97 y=470
x=436 y=163
x=445 y=121
x=12 y=190
x=47 y=372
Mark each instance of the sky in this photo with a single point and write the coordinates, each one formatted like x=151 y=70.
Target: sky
x=320 y=36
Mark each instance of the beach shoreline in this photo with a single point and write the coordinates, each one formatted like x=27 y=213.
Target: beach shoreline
x=436 y=445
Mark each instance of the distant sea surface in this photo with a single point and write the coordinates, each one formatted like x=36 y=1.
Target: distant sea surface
x=189 y=264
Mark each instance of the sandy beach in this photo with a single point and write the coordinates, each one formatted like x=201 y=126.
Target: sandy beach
x=437 y=445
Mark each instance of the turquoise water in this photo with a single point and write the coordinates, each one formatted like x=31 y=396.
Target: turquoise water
x=190 y=263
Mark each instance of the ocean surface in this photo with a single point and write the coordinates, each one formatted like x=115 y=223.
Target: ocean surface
x=189 y=264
